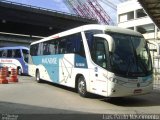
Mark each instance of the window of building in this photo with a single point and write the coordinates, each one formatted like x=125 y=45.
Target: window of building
x=140 y=13
x=126 y=16
x=149 y=28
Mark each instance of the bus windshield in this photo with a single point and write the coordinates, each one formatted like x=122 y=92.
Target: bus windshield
x=131 y=55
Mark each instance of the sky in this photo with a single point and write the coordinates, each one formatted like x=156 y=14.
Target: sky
x=50 y=4
x=59 y=5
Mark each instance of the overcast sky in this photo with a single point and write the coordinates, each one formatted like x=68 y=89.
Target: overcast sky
x=60 y=6
x=50 y=4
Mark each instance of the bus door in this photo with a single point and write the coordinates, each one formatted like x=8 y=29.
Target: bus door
x=100 y=57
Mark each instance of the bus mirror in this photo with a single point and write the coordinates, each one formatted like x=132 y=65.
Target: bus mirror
x=109 y=39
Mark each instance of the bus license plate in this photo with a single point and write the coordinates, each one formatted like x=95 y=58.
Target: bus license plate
x=136 y=91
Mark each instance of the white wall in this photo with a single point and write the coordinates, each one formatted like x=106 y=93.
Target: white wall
x=135 y=22
x=128 y=6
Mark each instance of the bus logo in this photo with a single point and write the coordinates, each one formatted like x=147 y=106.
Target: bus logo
x=49 y=61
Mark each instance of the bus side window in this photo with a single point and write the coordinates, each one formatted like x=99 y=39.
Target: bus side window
x=77 y=44
x=17 y=53
x=34 y=49
x=51 y=47
x=13 y=53
x=56 y=43
x=9 y=53
x=62 y=46
x=25 y=55
x=99 y=55
x=39 y=48
x=69 y=47
x=89 y=37
x=4 y=53
x=46 y=49
x=0 y=53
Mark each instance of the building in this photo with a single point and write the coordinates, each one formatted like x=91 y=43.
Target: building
x=132 y=16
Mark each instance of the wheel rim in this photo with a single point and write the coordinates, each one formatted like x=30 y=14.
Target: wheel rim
x=37 y=76
x=19 y=71
x=81 y=86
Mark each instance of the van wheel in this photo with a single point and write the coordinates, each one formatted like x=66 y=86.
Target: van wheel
x=82 y=87
x=38 y=79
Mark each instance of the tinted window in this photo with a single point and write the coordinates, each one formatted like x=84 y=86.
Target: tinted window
x=4 y=53
x=65 y=45
x=25 y=55
x=9 y=53
x=89 y=36
x=99 y=52
x=0 y=53
x=16 y=53
x=34 y=49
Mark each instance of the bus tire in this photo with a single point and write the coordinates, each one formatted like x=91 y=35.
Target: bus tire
x=38 y=79
x=19 y=71
x=82 y=87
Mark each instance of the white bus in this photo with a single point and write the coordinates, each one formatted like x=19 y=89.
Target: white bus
x=15 y=57
x=99 y=59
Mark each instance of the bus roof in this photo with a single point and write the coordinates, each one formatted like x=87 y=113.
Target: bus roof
x=90 y=27
x=14 y=47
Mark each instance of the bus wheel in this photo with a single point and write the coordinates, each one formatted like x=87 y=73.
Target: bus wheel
x=19 y=71
x=82 y=87
x=38 y=76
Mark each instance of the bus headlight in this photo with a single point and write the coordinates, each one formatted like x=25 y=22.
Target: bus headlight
x=114 y=80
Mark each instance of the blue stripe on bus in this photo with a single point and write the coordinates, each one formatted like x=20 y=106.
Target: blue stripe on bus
x=80 y=62
x=51 y=64
x=24 y=65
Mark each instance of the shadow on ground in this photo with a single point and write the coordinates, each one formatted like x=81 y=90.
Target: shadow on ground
x=17 y=111
x=16 y=108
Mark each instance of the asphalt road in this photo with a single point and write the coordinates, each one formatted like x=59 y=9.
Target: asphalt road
x=29 y=97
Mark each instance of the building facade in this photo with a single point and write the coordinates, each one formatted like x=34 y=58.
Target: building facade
x=131 y=15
